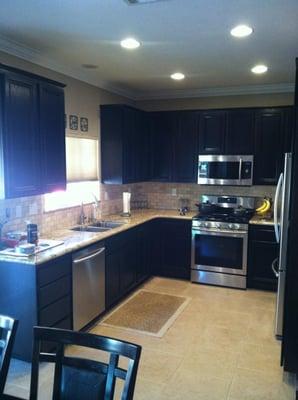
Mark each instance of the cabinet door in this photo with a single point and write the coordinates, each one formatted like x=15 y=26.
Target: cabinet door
x=22 y=157
x=129 y=145
x=52 y=132
x=175 y=248
x=212 y=132
x=142 y=139
x=269 y=146
x=113 y=263
x=263 y=250
x=111 y=144
x=161 y=137
x=143 y=251
x=240 y=132
x=186 y=147
x=128 y=262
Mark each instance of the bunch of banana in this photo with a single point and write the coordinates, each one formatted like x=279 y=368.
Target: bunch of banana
x=265 y=207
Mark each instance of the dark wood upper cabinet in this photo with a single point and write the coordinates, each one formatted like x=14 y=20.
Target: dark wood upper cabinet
x=270 y=126
x=21 y=141
x=185 y=147
x=164 y=146
x=52 y=132
x=162 y=128
x=124 y=144
x=32 y=134
x=239 y=138
x=212 y=132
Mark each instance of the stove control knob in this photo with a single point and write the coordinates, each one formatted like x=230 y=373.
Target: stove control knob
x=237 y=226
x=218 y=226
x=206 y=224
x=231 y=226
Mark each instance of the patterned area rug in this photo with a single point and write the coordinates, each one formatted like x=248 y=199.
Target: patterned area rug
x=147 y=312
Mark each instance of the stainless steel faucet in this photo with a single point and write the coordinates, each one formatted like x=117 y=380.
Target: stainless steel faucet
x=95 y=207
x=82 y=217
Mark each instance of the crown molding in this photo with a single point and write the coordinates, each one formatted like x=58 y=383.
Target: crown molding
x=35 y=56
x=217 y=92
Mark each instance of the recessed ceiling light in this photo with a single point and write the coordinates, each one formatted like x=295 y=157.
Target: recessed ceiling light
x=259 y=69
x=130 y=43
x=178 y=76
x=241 y=31
x=89 y=66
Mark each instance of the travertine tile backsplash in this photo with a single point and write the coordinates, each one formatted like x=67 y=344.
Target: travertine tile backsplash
x=150 y=194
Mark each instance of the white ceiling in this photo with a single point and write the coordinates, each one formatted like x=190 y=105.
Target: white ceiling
x=191 y=36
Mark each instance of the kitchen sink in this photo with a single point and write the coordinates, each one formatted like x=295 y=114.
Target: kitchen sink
x=100 y=226
x=107 y=224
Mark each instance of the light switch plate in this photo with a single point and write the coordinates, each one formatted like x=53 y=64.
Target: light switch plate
x=174 y=192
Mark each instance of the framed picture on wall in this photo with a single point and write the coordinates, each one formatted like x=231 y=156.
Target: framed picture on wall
x=73 y=122
x=84 y=124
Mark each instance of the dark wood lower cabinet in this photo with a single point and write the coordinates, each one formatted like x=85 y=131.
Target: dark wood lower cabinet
x=36 y=295
x=127 y=262
x=159 y=247
x=175 y=242
x=262 y=251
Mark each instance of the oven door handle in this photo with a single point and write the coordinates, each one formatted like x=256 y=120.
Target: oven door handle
x=213 y=233
x=240 y=169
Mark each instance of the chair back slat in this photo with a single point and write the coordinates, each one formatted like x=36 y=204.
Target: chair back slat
x=8 y=329
x=110 y=385
x=77 y=378
x=58 y=371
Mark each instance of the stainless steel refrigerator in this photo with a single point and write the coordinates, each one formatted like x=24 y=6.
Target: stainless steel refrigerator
x=289 y=355
x=281 y=227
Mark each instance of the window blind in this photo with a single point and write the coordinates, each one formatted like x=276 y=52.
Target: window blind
x=81 y=159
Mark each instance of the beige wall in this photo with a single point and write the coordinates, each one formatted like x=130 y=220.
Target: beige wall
x=81 y=98
x=264 y=100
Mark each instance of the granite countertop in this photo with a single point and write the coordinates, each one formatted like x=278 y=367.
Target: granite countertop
x=74 y=240
x=258 y=220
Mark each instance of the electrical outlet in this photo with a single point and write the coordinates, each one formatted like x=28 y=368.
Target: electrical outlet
x=174 y=192
x=33 y=209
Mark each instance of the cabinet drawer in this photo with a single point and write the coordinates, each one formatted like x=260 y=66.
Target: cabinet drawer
x=53 y=270
x=55 y=312
x=48 y=347
x=263 y=234
x=54 y=291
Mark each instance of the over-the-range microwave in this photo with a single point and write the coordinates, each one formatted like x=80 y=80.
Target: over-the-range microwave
x=225 y=170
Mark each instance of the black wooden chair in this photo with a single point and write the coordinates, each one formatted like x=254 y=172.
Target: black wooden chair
x=8 y=328
x=80 y=378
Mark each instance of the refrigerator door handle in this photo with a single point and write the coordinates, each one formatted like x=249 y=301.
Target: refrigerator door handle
x=276 y=201
x=274 y=267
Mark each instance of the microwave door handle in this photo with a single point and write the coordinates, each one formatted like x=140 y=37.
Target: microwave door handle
x=240 y=169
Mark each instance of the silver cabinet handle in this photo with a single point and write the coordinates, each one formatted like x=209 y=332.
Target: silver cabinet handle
x=274 y=267
x=89 y=257
x=240 y=169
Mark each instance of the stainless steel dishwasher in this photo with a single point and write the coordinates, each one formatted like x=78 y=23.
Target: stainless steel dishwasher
x=88 y=284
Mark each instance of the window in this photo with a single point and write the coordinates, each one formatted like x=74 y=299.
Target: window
x=82 y=175
x=74 y=195
x=81 y=159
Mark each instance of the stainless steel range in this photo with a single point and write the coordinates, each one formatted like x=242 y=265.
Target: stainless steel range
x=219 y=241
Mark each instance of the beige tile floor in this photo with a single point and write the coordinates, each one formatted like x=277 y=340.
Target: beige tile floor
x=221 y=347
